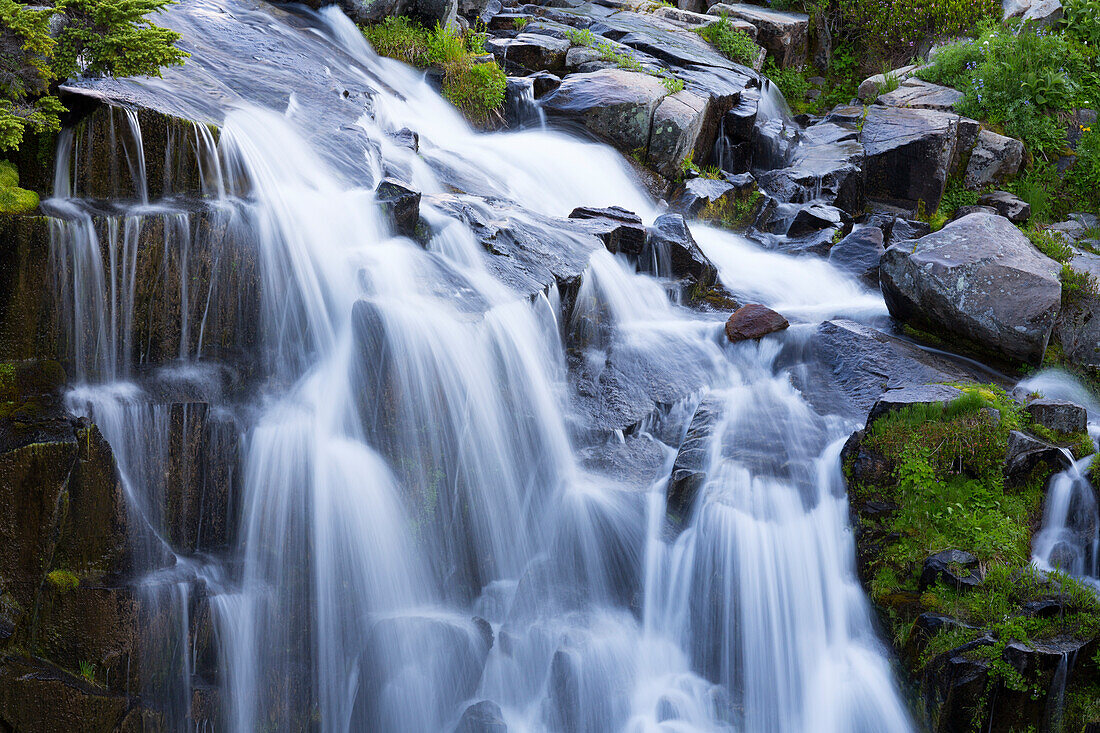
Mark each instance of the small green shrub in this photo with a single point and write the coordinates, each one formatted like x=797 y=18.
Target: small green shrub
x=734 y=43
x=582 y=37
x=732 y=212
x=792 y=81
x=1081 y=19
x=475 y=88
x=520 y=23
x=399 y=38
x=87 y=671
x=672 y=83
x=1076 y=286
x=1051 y=244
x=1083 y=179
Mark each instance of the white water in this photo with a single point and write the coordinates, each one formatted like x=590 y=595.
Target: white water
x=416 y=532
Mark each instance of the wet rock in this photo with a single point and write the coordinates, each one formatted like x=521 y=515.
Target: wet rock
x=908 y=154
x=848 y=367
x=406 y=138
x=1007 y=205
x=978 y=279
x=754 y=321
x=1058 y=415
x=954 y=683
x=36 y=696
x=689 y=471
x=859 y=254
x=917 y=94
x=994 y=159
x=400 y=204
x=28 y=325
x=534 y=51
x=543 y=82
x=1078 y=331
x=925 y=394
x=954 y=568
x=783 y=34
x=615 y=104
x=815 y=217
x=906 y=230
x=482 y=717
x=699 y=193
x=670 y=239
x=636 y=462
x=1025 y=453
x=620 y=230
x=677 y=124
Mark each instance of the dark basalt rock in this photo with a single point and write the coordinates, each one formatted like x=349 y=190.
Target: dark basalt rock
x=1026 y=452
x=955 y=568
x=697 y=193
x=1007 y=205
x=400 y=204
x=908 y=154
x=859 y=254
x=689 y=471
x=1058 y=415
x=754 y=321
x=620 y=230
x=815 y=217
x=670 y=239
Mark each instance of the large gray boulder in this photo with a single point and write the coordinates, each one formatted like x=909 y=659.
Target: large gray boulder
x=783 y=34
x=677 y=123
x=919 y=94
x=615 y=104
x=534 y=51
x=995 y=159
x=908 y=154
x=980 y=280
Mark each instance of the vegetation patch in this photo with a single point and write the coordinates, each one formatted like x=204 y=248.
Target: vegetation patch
x=14 y=200
x=63 y=580
x=734 y=43
x=732 y=212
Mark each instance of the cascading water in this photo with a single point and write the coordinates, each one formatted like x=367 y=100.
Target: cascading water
x=416 y=531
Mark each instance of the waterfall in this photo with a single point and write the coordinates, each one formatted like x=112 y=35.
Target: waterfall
x=416 y=526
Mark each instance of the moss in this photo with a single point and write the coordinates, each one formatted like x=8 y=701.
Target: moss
x=63 y=580
x=733 y=212
x=14 y=200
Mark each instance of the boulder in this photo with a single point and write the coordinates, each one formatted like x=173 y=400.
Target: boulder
x=677 y=124
x=859 y=253
x=677 y=254
x=919 y=94
x=698 y=193
x=1007 y=205
x=908 y=154
x=619 y=229
x=906 y=230
x=902 y=397
x=543 y=82
x=534 y=51
x=429 y=13
x=689 y=471
x=1043 y=14
x=783 y=34
x=702 y=19
x=400 y=204
x=954 y=568
x=968 y=210
x=482 y=717
x=1025 y=452
x=994 y=159
x=871 y=87
x=1078 y=331
x=615 y=104
x=754 y=321
x=978 y=279
x=815 y=217
x=1058 y=415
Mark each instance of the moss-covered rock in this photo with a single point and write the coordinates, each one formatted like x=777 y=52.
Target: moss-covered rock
x=928 y=478
x=37 y=697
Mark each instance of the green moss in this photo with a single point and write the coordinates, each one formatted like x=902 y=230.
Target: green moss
x=732 y=212
x=14 y=200
x=63 y=580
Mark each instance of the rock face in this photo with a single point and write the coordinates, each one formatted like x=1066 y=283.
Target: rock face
x=994 y=159
x=980 y=280
x=401 y=205
x=677 y=124
x=783 y=34
x=754 y=321
x=689 y=471
x=859 y=254
x=677 y=253
x=1058 y=415
x=908 y=154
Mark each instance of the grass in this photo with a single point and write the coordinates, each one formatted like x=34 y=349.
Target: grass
x=473 y=84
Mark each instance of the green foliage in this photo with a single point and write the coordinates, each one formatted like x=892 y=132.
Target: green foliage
x=98 y=37
x=955 y=196
x=583 y=37
x=623 y=59
x=474 y=85
x=672 y=83
x=1081 y=19
x=1076 y=285
x=520 y=23
x=14 y=200
x=1051 y=244
x=732 y=212
x=902 y=24
x=63 y=580
x=87 y=671
x=1035 y=187
x=791 y=81
x=1082 y=181
x=734 y=43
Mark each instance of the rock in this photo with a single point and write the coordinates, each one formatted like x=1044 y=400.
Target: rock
x=1026 y=452
x=955 y=684
x=692 y=459
x=906 y=230
x=670 y=239
x=702 y=19
x=859 y=254
x=1058 y=415
x=698 y=193
x=1042 y=14
x=871 y=87
x=429 y=13
x=754 y=321
x=677 y=124
x=925 y=394
x=978 y=279
x=615 y=104
x=482 y=717
x=1078 y=331
x=815 y=217
x=400 y=204
x=543 y=82
x=1007 y=205
x=619 y=229
x=37 y=696
x=954 y=568
x=534 y=51
x=908 y=154
x=783 y=34
x=918 y=94
x=968 y=210
x=994 y=159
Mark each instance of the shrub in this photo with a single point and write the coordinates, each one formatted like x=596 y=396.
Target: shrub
x=399 y=38
x=475 y=88
x=672 y=84
x=734 y=43
x=1076 y=285
x=1083 y=179
x=1049 y=243
x=791 y=81
x=1082 y=20
x=583 y=37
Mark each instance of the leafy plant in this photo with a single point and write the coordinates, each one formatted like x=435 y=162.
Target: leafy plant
x=1081 y=19
x=672 y=83
x=87 y=671
x=583 y=37
x=520 y=23
x=475 y=88
x=734 y=43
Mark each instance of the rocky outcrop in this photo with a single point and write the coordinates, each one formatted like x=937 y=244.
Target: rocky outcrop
x=1059 y=416
x=859 y=254
x=916 y=94
x=908 y=155
x=994 y=159
x=977 y=280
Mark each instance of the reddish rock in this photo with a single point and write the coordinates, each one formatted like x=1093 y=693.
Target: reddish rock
x=754 y=321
